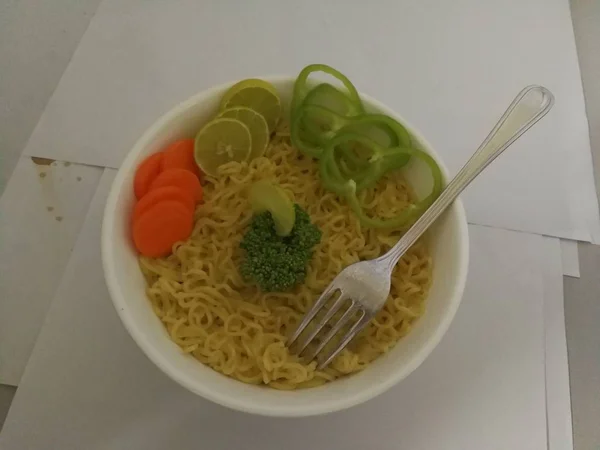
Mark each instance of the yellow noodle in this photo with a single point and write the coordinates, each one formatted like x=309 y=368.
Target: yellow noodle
x=230 y=325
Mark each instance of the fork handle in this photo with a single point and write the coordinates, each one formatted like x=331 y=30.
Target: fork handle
x=529 y=106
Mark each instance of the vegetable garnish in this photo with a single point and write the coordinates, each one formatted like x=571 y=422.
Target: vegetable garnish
x=146 y=172
x=257 y=125
x=259 y=95
x=180 y=155
x=274 y=262
x=332 y=98
x=314 y=126
x=302 y=89
x=161 y=194
x=161 y=226
x=381 y=162
x=265 y=196
x=220 y=141
x=181 y=178
x=355 y=149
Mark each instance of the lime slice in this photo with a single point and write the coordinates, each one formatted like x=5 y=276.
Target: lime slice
x=265 y=196
x=221 y=141
x=255 y=94
x=259 y=130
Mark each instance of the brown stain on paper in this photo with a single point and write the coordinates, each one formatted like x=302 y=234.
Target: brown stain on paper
x=42 y=161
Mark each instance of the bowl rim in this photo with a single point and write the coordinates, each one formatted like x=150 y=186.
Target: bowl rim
x=233 y=402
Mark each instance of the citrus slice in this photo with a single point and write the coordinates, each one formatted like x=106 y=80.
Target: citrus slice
x=265 y=196
x=259 y=95
x=222 y=140
x=256 y=123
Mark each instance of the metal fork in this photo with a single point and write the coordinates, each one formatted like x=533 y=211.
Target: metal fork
x=364 y=287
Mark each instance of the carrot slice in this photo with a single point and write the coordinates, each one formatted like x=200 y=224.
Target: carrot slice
x=181 y=178
x=161 y=194
x=180 y=155
x=161 y=226
x=146 y=172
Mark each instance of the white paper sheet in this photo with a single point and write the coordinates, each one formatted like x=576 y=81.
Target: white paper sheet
x=569 y=255
x=87 y=385
x=451 y=68
x=41 y=213
x=37 y=41
x=558 y=394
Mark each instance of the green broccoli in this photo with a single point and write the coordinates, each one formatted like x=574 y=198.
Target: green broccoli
x=274 y=262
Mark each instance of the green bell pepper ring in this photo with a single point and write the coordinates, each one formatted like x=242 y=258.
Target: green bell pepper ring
x=365 y=173
x=301 y=88
x=332 y=98
x=314 y=126
x=381 y=129
x=339 y=163
x=334 y=180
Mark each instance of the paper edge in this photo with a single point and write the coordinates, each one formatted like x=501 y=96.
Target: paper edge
x=558 y=392
x=569 y=254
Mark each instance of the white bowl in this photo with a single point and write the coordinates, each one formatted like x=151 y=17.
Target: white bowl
x=449 y=248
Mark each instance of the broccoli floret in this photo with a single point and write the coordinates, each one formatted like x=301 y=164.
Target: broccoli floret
x=274 y=262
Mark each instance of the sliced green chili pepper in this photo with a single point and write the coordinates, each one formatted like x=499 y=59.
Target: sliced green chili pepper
x=379 y=164
x=301 y=88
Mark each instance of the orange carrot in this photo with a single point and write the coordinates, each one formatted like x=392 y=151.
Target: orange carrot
x=180 y=155
x=146 y=172
x=161 y=194
x=181 y=178
x=160 y=227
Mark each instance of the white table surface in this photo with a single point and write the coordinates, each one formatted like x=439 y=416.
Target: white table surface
x=581 y=295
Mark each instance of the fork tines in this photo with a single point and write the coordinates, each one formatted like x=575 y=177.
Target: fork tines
x=353 y=315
